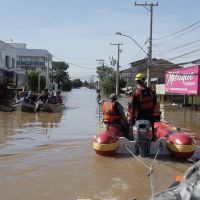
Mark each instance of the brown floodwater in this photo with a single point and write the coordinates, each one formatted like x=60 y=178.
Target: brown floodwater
x=48 y=156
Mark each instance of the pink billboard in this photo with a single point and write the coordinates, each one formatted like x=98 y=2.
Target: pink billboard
x=183 y=80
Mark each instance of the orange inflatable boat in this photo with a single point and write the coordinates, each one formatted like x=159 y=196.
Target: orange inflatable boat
x=169 y=141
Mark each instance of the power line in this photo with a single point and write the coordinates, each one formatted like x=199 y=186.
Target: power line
x=102 y=61
x=186 y=32
x=184 y=54
x=79 y=66
x=184 y=45
x=178 y=47
x=140 y=50
x=172 y=34
x=175 y=48
x=159 y=51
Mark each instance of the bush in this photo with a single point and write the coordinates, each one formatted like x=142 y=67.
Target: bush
x=67 y=85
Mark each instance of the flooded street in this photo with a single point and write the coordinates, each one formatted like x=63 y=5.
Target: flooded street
x=48 y=156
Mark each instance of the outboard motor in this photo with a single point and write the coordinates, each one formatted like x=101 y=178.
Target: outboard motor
x=142 y=131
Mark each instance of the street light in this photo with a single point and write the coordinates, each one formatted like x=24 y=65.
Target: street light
x=148 y=55
x=119 y=33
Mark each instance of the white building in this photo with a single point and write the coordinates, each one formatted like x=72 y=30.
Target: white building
x=7 y=67
x=7 y=56
x=38 y=60
x=16 y=60
x=32 y=59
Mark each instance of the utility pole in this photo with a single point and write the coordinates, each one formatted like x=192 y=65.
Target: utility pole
x=149 y=65
x=102 y=63
x=117 y=74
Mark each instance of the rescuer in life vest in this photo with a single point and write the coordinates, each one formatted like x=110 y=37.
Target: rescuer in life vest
x=144 y=101
x=113 y=113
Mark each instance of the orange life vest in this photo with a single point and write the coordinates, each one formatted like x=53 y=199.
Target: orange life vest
x=109 y=113
x=145 y=98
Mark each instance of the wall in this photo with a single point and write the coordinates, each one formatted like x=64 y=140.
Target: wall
x=7 y=50
x=196 y=100
x=21 y=80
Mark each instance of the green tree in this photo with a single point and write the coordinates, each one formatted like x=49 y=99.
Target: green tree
x=85 y=84
x=107 y=78
x=66 y=85
x=33 y=81
x=60 y=75
x=76 y=83
x=108 y=85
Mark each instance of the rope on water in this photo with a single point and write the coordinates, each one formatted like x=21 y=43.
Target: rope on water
x=150 y=168
x=126 y=145
x=100 y=122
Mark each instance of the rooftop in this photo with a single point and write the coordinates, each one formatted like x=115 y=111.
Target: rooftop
x=33 y=53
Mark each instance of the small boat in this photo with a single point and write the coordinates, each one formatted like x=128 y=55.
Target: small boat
x=169 y=141
x=27 y=107
x=15 y=106
x=6 y=108
x=48 y=107
x=9 y=107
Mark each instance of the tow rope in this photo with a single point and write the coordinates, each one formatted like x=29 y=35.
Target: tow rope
x=99 y=122
x=150 y=168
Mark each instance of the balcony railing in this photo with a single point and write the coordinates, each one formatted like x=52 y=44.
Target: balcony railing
x=27 y=63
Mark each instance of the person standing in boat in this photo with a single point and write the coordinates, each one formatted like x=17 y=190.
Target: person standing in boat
x=25 y=91
x=44 y=96
x=17 y=96
x=113 y=113
x=22 y=97
x=59 y=98
x=52 y=98
x=29 y=97
x=143 y=102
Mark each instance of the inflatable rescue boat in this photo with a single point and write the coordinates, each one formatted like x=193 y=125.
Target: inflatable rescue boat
x=169 y=141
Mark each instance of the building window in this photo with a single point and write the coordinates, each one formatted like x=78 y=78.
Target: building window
x=7 y=61
x=33 y=61
x=18 y=61
x=13 y=63
x=26 y=61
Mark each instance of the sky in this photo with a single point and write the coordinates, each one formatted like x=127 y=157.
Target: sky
x=79 y=32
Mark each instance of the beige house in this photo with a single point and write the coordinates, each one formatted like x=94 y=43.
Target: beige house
x=157 y=72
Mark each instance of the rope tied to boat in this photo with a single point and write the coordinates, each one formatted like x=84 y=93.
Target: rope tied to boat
x=150 y=168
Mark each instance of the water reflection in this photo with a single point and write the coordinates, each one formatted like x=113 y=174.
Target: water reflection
x=27 y=123
x=184 y=118
x=81 y=119
x=77 y=121
x=49 y=120
x=60 y=152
